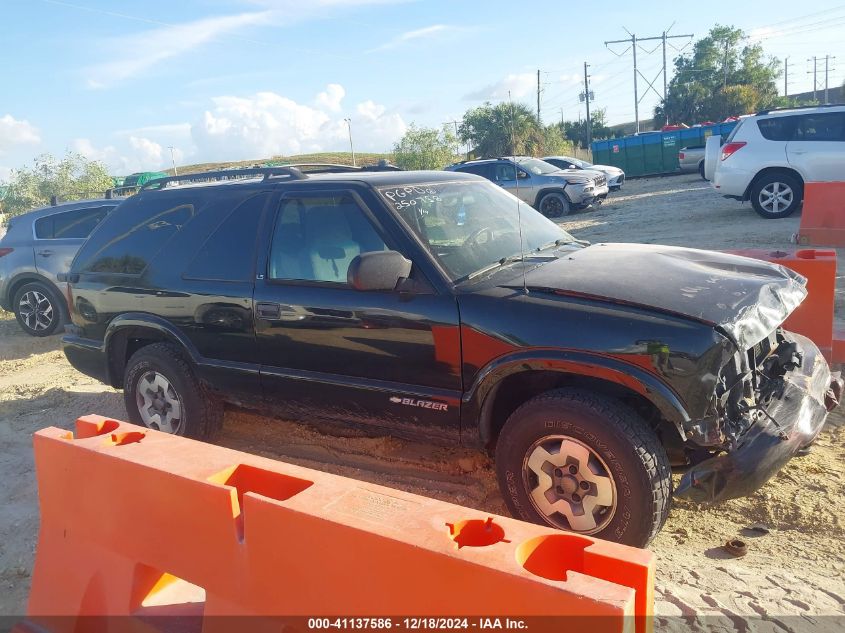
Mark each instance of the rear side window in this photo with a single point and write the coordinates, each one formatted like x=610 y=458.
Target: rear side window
x=134 y=235
x=76 y=224
x=478 y=170
x=779 y=128
x=822 y=126
x=229 y=253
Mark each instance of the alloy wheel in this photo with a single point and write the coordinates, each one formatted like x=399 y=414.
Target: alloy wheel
x=158 y=402
x=776 y=197
x=569 y=484
x=36 y=310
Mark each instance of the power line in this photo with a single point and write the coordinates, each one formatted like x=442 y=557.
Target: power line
x=634 y=41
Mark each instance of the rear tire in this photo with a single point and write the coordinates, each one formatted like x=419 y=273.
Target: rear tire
x=582 y=462
x=161 y=392
x=554 y=205
x=39 y=309
x=776 y=195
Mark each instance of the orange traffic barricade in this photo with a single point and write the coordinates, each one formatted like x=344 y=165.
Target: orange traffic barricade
x=823 y=215
x=814 y=317
x=138 y=523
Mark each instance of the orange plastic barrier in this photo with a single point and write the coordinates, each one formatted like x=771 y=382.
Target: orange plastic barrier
x=823 y=215
x=814 y=317
x=140 y=523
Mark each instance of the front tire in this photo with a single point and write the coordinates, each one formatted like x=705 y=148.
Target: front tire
x=554 y=205
x=776 y=195
x=581 y=462
x=701 y=170
x=161 y=392
x=40 y=310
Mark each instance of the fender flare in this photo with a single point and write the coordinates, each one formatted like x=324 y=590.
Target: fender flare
x=149 y=322
x=596 y=366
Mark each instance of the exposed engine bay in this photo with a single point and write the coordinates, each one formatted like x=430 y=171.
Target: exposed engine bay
x=770 y=402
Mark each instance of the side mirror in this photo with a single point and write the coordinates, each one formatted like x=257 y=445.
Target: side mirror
x=380 y=270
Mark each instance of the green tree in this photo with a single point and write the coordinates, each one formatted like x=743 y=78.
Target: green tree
x=71 y=178
x=503 y=129
x=576 y=131
x=721 y=77
x=554 y=142
x=424 y=148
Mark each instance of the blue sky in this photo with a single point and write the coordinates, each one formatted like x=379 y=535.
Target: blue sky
x=238 y=79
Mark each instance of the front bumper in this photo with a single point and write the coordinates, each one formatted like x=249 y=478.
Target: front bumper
x=794 y=420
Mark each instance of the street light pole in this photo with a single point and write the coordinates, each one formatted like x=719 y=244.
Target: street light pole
x=173 y=160
x=351 y=147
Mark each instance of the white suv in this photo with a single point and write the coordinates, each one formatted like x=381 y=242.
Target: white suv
x=769 y=156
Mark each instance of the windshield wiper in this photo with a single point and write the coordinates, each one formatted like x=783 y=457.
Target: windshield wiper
x=510 y=259
x=561 y=242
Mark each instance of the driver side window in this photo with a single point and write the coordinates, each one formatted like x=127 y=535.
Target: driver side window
x=503 y=172
x=316 y=238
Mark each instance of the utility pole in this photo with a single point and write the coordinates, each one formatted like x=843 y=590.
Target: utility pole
x=561 y=118
x=827 y=60
x=786 y=77
x=635 y=41
x=457 y=139
x=538 y=95
x=725 y=67
x=665 y=90
x=173 y=160
x=587 y=101
x=825 y=78
x=815 y=85
x=351 y=147
x=636 y=96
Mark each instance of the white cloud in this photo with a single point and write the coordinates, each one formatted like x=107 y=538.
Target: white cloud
x=519 y=85
x=268 y=124
x=426 y=32
x=15 y=132
x=331 y=97
x=255 y=126
x=135 y=154
x=134 y=54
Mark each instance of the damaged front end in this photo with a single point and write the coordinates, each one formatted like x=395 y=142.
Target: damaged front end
x=771 y=401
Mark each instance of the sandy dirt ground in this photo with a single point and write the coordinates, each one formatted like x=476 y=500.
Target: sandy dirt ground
x=794 y=573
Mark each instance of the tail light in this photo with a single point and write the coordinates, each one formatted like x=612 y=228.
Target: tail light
x=729 y=149
x=680 y=156
x=5 y=251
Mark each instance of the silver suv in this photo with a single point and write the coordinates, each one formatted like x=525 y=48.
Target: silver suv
x=37 y=247
x=769 y=156
x=554 y=192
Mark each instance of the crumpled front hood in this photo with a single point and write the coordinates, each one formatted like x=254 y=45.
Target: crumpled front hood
x=746 y=298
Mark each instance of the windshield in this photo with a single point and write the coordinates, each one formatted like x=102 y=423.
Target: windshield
x=470 y=226
x=580 y=163
x=537 y=166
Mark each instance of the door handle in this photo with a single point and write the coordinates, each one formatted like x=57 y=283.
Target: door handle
x=45 y=253
x=268 y=311
x=799 y=151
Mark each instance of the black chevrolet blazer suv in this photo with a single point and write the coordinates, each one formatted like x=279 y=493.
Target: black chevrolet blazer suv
x=436 y=306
